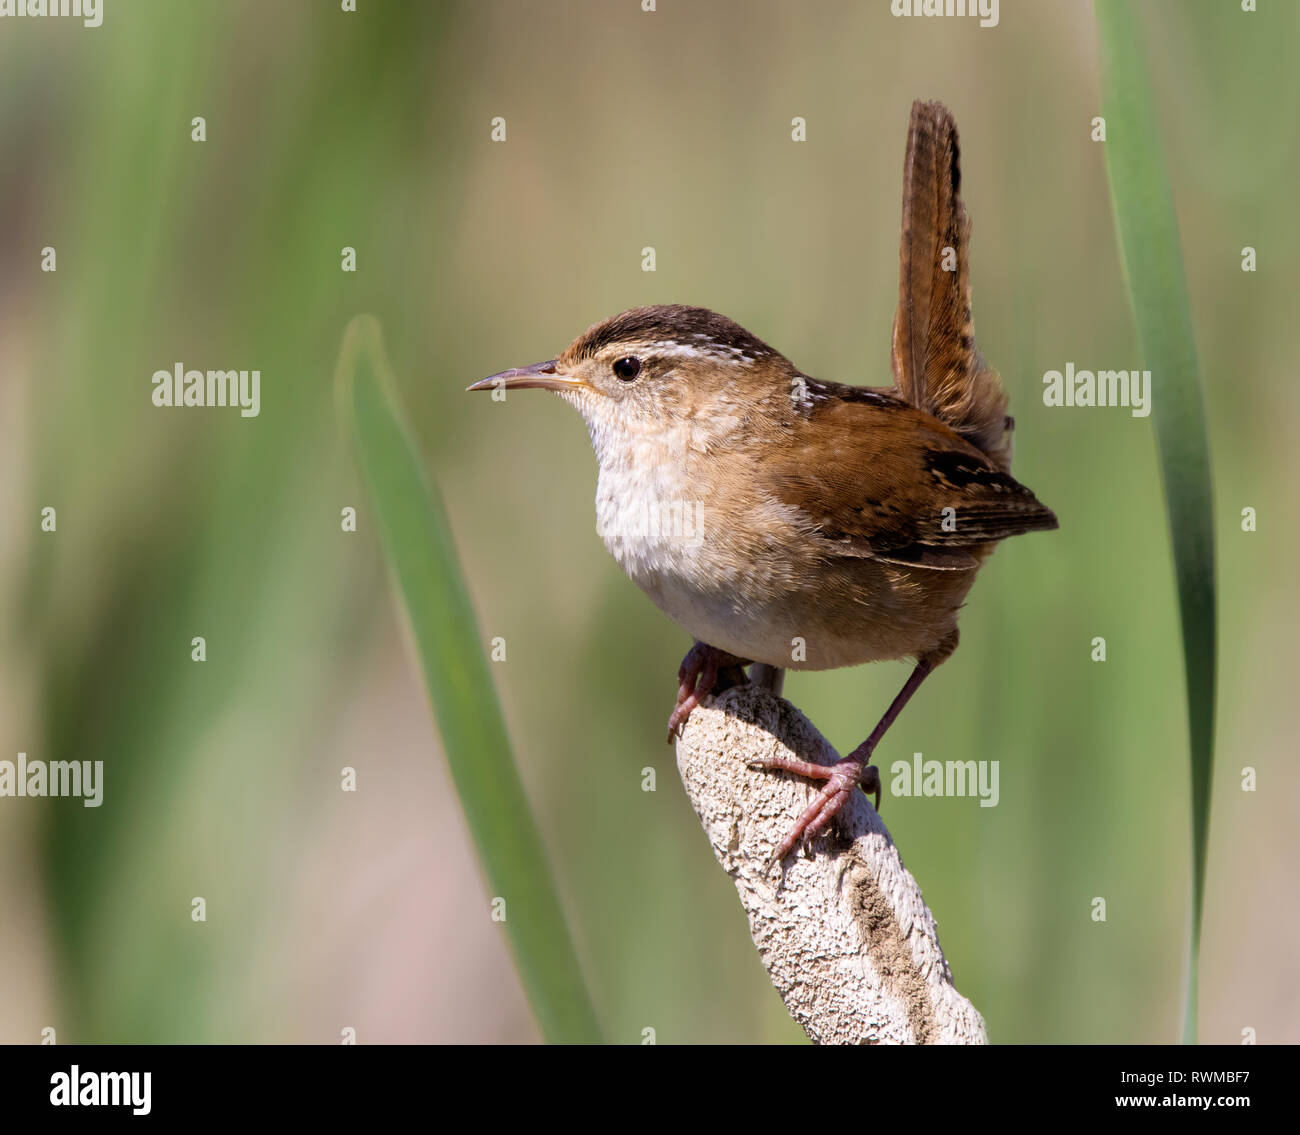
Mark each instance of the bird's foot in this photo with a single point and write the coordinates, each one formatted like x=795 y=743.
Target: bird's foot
x=704 y=669
x=842 y=778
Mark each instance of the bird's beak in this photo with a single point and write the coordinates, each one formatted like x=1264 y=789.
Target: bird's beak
x=539 y=376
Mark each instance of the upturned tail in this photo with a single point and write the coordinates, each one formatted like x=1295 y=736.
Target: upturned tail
x=936 y=363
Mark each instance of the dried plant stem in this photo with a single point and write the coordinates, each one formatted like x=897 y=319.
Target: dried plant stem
x=844 y=932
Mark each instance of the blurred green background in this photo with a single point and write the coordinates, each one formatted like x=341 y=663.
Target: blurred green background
x=625 y=130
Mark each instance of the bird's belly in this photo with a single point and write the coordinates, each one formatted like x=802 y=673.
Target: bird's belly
x=858 y=611
x=758 y=586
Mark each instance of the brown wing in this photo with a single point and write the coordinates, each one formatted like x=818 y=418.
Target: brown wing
x=935 y=361
x=941 y=498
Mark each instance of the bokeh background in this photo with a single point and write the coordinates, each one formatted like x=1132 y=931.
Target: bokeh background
x=625 y=129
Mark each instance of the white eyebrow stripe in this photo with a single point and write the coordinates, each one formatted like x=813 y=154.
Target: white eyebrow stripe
x=713 y=350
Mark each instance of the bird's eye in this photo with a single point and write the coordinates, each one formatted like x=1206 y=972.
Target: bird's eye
x=627 y=369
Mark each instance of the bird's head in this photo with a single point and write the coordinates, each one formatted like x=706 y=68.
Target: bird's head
x=652 y=369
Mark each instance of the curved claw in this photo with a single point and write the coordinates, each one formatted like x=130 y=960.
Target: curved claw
x=698 y=676
x=695 y=680
x=842 y=778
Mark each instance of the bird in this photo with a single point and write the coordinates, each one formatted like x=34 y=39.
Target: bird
x=796 y=523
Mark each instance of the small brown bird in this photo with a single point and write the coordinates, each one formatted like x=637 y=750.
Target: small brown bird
x=796 y=523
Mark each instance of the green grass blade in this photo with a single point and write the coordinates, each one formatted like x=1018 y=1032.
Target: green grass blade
x=1153 y=267
x=421 y=555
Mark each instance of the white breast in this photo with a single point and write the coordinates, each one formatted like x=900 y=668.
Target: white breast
x=649 y=513
x=675 y=543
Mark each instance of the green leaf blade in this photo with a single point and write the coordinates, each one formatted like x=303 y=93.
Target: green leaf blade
x=421 y=556
x=1153 y=266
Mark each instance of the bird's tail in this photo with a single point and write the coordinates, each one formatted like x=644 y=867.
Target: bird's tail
x=937 y=365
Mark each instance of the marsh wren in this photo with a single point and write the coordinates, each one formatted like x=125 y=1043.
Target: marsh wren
x=796 y=523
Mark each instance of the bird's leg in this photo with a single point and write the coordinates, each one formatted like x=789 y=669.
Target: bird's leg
x=848 y=773
x=696 y=678
x=770 y=678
